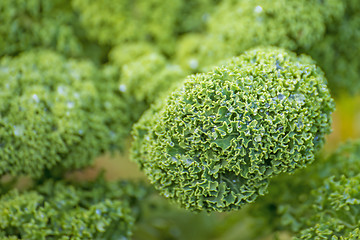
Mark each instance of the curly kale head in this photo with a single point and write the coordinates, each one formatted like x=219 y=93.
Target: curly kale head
x=50 y=114
x=214 y=143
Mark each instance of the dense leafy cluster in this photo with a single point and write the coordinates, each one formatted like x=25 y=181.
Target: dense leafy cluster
x=50 y=114
x=332 y=209
x=144 y=75
x=121 y=21
x=338 y=52
x=289 y=24
x=216 y=141
x=327 y=30
x=75 y=75
x=335 y=209
x=149 y=77
x=34 y=23
x=320 y=202
x=57 y=210
x=115 y=22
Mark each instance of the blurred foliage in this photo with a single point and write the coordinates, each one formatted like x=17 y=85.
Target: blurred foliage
x=27 y=24
x=46 y=113
x=326 y=30
x=338 y=53
x=155 y=21
x=148 y=77
x=289 y=24
x=325 y=204
x=59 y=210
x=50 y=113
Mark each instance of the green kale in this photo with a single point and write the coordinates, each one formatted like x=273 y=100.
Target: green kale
x=57 y=210
x=338 y=54
x=236 y=26
x=327 y=30
x=214 y=143
x=26 y=24
x=149 y=77
x=115 y=22
x=319 y=202
x=51 y=114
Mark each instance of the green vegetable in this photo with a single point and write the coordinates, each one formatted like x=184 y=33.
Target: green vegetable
x=143 y=78
x=51 y=114
x=236 y=26
x=289 y=24
x=152 y=21
x=26 y=24
x=56 y=210
x=199 y=52
x=328 y=31
x=76 y=75
x=115 y=22
x=333 y=206
x=335 y=210
x=214 y=143
x=319 y=202
x=148 y=77
x=126 y=53
x=338 y=54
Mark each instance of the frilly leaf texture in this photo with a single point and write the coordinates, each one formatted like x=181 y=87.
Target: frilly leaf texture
x=213 y=144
